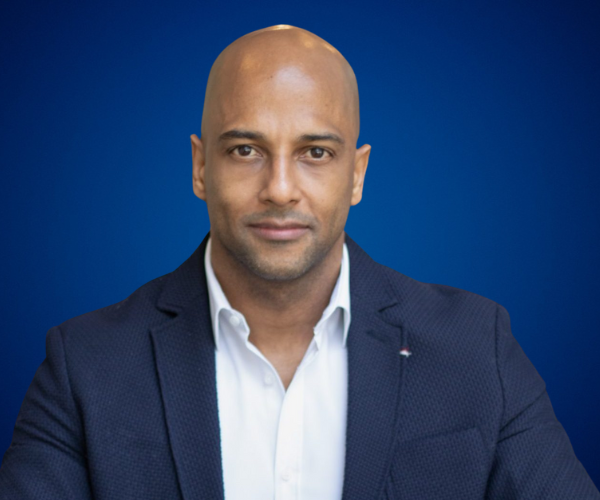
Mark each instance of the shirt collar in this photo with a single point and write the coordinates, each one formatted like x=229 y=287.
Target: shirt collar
x=340 y=297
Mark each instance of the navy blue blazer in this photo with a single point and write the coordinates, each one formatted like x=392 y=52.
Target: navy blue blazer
x=125 y=405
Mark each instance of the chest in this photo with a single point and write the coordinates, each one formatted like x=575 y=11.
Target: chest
x=283 y=422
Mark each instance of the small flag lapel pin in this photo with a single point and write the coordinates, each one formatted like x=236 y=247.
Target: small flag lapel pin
x=405 y=351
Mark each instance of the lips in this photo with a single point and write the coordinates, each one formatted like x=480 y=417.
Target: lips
x=277 y=225
x=281 y=231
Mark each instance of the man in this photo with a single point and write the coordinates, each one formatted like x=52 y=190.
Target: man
x=280 y=361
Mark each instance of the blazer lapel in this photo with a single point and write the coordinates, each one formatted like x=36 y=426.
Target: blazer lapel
x=185 y=361
x=375 y=373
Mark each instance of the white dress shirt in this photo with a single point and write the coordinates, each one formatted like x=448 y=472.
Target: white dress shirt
x=279 y=444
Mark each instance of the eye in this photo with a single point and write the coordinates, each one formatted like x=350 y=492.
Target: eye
x=317 y=153
x=244 y=151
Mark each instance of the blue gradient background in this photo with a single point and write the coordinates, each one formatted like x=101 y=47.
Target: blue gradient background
x=485 y=126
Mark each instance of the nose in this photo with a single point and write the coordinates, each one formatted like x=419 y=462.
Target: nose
x=280 y=181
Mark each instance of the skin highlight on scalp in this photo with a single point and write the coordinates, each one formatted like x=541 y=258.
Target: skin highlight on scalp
x=289 y=52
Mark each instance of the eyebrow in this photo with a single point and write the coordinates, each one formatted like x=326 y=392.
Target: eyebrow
x=257 y=136
x=320 y=137
x=241 y=134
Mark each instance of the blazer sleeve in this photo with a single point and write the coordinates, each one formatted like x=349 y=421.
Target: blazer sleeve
x=46 y=458
x=534 y=458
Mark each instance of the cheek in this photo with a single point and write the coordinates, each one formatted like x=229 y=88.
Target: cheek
x=227 y=197
x=332 y=201
x=217 y=198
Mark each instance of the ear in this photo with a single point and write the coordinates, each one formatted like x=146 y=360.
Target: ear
x=198 y=164
x=361 y=160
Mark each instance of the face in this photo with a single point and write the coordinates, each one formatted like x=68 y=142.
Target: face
x=278 y=168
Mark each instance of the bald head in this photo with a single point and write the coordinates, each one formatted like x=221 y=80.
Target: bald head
x=281 y=62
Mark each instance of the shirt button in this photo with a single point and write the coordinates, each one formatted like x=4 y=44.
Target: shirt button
x=268 y=379
x=286 y=476
x=234 y=320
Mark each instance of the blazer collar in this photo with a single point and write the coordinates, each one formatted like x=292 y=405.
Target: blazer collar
x=184 y=354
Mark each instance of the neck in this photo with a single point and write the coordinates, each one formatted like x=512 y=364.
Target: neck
x=278 y=312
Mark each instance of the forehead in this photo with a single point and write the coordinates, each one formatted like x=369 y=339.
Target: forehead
x=256 y=92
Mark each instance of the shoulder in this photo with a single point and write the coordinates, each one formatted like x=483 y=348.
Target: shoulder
x=126 y=319
x=434 y=295
x=109 y=349
x=443 y=311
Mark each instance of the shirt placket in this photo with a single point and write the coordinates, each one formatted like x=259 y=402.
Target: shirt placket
x=290 y=429
x=290 y=434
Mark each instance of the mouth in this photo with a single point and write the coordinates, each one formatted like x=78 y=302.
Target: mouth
x=279 y=231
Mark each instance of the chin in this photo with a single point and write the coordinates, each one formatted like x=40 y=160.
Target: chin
x=269 y=271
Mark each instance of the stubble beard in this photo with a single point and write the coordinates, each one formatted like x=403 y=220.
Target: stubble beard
x=277 y=270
